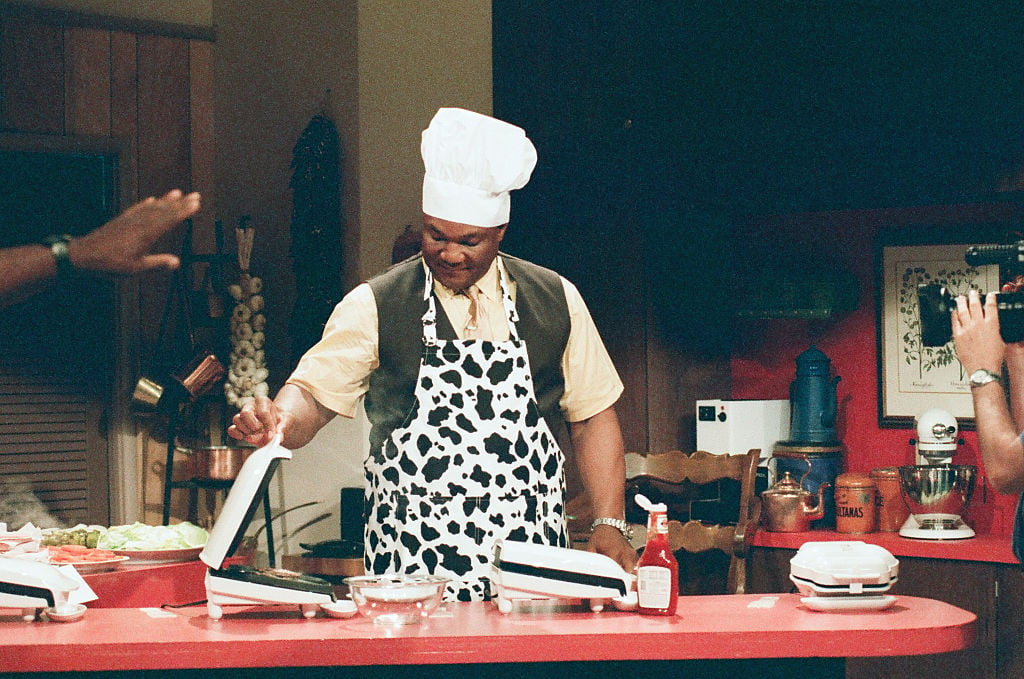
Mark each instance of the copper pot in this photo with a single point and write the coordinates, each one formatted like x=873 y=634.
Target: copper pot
x=216 y=463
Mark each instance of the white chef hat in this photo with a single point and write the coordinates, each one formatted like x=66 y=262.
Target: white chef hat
x=471 y=163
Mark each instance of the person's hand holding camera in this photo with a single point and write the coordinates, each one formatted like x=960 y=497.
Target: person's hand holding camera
x=976 y=332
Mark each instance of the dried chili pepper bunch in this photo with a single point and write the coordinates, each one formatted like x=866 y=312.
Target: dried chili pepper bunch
x=247 y=373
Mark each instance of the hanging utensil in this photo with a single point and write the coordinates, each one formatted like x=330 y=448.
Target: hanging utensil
x=196 y=376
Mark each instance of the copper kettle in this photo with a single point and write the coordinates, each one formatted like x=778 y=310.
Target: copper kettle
x=788 y=508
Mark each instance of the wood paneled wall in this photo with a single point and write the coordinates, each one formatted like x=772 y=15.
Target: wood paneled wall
x=152 y=93
x=149 y=90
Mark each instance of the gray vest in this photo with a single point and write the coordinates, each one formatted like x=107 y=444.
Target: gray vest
x=543 y=324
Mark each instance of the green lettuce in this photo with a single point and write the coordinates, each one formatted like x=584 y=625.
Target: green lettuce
x=142 y=537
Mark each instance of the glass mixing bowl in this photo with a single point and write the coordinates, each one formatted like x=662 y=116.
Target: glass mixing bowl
x=939 y=489
x=396 y=599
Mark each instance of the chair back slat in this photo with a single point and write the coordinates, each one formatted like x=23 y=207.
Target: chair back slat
x=694 y=536
x=676 y=468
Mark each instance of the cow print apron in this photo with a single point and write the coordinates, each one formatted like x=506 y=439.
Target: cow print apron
x=473 y=462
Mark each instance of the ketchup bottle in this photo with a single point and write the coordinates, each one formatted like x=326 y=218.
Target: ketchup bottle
x=657 y=582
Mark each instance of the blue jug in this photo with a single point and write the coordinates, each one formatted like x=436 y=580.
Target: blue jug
x=812 y=399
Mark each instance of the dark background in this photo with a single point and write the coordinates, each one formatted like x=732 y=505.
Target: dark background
x=64 y=331
x=663 y=127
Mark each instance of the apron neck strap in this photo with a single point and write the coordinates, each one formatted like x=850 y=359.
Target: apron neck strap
x=430 y=315
x=510 y=307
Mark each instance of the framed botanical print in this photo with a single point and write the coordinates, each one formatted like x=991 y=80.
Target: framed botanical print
x=913 y=377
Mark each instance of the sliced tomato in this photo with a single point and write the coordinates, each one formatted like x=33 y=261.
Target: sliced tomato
x=72 y=549
x=79 y=554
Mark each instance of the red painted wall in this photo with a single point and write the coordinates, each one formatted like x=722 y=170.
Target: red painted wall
x=763 y=363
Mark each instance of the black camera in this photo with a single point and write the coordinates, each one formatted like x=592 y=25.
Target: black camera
x=936 y=303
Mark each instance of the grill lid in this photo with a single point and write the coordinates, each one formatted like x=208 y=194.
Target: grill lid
x=242 y=502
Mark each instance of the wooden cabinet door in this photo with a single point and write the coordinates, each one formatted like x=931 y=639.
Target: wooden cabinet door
x=1009 y=632
x=58 y=347
x=970 y=585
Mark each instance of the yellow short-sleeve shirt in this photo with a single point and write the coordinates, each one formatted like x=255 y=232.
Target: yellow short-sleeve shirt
x=336 y=370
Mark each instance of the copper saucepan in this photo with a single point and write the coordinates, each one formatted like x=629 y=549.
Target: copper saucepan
x=216 y=463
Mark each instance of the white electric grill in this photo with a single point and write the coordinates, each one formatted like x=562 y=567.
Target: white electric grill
x=246 y=585
x=524 y=571
x=32 y=586
x=844 y=575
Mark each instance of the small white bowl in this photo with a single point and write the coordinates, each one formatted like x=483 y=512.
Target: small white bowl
x=65 y=613
x=342 y=609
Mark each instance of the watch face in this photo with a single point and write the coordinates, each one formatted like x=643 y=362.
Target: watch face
x=980 y=377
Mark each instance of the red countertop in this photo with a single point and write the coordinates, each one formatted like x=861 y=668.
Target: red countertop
x=705 y=627
x=182 y=583
x=990 y=548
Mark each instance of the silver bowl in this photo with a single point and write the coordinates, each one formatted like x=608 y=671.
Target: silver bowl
x=938 y=488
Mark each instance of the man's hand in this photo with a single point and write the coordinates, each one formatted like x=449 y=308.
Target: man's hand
x=609 y=541
x=294 y=414
x=258 y=422
x=122 y=245
x=976 y=333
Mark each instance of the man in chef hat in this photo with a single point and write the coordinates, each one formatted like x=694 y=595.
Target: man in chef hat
x=471 y=362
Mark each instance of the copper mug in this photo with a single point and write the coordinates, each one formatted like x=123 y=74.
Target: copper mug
x=187 y=384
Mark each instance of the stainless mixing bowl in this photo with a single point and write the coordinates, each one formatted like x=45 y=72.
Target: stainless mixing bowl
x=938 y=488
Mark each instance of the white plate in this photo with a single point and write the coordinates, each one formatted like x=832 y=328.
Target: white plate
x=848 y=603
x=142 y=557
x=93 y=566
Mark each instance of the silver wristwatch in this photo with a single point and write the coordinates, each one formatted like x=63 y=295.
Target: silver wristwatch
x=617 y=524
x=982 y=377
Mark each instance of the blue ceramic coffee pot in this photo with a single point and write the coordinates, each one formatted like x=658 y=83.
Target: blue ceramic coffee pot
x=812 y=399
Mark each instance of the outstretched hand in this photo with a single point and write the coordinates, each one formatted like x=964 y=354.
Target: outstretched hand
x=122 y=245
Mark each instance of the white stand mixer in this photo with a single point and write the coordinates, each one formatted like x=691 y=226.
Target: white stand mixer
x=936 y=442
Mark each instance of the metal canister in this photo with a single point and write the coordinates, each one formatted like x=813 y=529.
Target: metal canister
x=891 y=508
x=855 y=503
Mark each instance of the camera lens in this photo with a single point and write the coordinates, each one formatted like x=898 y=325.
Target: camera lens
x=935 y=304
x=1011 y=315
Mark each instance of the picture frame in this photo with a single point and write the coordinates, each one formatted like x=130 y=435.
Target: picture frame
x=913 y=378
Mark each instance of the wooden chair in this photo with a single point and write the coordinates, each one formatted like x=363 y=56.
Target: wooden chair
x=710 y=499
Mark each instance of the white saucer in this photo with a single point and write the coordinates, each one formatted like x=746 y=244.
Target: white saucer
x=65 y=613
x=848 y=603
x=343 y=608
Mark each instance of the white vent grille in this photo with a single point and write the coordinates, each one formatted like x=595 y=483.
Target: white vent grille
x=44 y=441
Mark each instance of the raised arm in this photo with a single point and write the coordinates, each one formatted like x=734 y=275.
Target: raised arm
x=979 y=346
x=120 y=247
